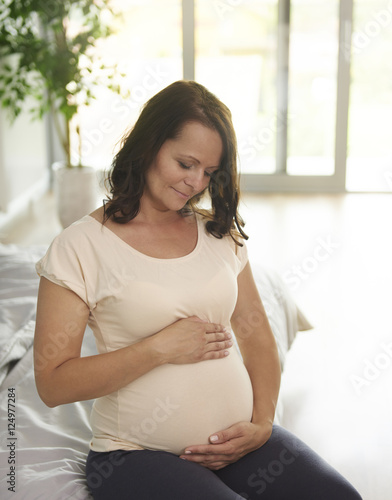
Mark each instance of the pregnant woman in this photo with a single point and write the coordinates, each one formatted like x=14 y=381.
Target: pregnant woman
x=165 y=285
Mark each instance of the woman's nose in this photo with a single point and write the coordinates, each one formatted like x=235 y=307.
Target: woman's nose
x=196 y=179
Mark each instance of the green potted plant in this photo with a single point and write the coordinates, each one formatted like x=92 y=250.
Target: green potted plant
x=49 y=62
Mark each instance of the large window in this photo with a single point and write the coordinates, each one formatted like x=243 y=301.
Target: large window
x=308 y=83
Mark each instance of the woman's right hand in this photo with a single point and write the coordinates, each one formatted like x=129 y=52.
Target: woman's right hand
x=191 y=340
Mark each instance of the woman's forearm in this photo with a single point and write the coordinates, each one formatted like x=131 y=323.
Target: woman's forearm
x=83 y=378
x=258 y=348
x=264 y=371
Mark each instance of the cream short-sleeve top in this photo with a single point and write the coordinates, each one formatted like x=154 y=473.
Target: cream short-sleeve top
x=132 y=296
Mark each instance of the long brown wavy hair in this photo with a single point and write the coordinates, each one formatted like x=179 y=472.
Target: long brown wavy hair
x=162 y=118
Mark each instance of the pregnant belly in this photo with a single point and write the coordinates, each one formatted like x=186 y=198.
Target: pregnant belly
x=175 y=406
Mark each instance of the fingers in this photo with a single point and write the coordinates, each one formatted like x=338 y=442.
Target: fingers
x=236 y=430
x=211 y=461
x=218 y=336
x=210 y=450
x=227 y=446
x=215 y=463
x=211 y=327
x=204 y=340
x=218 y=339
x=214 y=327
x=214 y=456
x=217 y=350
x=217 y=345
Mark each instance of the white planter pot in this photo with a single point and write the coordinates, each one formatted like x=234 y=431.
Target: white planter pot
x=76 y=191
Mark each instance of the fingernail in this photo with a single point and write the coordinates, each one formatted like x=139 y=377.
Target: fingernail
x=214 y=438
x=188 y=452
x=230 y=342
x=227 y=353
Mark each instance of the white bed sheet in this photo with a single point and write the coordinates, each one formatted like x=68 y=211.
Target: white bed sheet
x=51 y=443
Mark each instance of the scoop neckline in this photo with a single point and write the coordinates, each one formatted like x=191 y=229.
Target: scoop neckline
x=149 y=257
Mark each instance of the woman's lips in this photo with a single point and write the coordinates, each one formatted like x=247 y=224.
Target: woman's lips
x=182 y=195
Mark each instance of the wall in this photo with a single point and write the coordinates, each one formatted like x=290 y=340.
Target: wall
x=24 y=173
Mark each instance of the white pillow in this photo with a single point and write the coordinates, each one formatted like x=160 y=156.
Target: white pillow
x=285 y=318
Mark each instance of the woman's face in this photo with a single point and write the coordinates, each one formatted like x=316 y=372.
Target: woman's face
x=182 y=167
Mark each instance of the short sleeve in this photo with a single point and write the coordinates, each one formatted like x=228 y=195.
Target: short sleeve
x=61 y=265
x=242 y=255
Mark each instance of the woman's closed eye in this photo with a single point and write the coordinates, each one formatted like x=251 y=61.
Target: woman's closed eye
x=187 y=167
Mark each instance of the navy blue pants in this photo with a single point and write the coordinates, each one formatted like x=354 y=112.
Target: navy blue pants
x=284 y=468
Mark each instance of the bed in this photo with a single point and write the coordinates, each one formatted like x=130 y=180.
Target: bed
x=43 y=450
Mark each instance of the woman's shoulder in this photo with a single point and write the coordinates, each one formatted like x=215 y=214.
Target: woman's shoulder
x=98 y=214
x=79 y=232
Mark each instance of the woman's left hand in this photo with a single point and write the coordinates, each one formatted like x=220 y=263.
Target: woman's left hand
x=229 y=445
